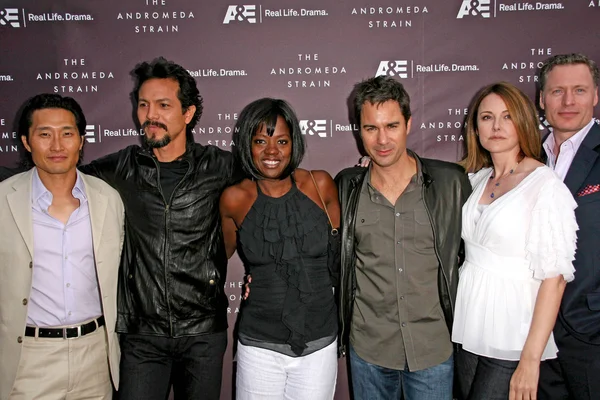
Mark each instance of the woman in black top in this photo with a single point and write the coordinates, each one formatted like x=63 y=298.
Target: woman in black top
x=282 y=221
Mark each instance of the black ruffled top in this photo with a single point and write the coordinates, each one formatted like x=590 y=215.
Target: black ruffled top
x=283 y=243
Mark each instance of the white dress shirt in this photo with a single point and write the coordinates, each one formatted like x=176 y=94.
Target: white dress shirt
x=567 y=150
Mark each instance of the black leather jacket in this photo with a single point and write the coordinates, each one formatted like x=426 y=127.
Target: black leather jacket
x=445 y=190
x=174 y=265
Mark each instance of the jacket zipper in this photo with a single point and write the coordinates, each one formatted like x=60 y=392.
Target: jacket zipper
x=166 y=244
x=343 y=276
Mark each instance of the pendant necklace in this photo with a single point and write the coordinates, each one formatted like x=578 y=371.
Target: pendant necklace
x=502 y=177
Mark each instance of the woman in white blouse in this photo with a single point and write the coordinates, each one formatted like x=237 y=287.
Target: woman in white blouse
x=519 y=231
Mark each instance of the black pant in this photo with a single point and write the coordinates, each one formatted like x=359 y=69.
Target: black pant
x=483 y=377
x=575 y=374
x=150 y=364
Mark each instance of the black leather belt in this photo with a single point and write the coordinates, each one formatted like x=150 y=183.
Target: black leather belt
x=66 y=333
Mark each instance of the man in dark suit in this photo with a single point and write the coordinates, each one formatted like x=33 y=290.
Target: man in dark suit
x=568 y=95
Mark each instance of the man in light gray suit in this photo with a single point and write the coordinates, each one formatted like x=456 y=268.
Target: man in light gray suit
x=62 y=234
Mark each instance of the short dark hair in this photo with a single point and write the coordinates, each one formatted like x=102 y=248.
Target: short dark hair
x=264 y=112
x=378 y=90
x=567 y=59
x=48 y=100
x=188 y=94
x=44 y=101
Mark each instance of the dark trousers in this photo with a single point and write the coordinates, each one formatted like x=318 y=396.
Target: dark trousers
x=150 y=364
x=575 y=374
x=483 y=377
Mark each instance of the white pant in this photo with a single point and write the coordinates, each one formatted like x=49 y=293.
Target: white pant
x=267 y=375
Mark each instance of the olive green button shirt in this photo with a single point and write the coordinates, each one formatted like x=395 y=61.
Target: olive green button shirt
x=397 y=321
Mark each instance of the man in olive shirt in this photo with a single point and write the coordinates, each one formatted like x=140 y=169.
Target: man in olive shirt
x=401 y=224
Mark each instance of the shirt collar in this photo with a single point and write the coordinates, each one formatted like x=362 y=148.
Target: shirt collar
x=574 y=141
x=416 y=179
x=39 y=191
x=419 y=167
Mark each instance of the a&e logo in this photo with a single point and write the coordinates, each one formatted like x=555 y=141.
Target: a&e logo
x=10 y=16
x=474 y=8
x=314 y=127
x=245 y=13
x=397 y=68
x=90 y=133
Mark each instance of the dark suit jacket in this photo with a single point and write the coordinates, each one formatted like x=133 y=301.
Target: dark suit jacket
x=580 y=309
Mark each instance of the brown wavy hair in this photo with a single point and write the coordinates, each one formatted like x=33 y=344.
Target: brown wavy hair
x=523 y=115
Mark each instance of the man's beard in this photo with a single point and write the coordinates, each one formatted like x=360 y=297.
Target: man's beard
x=156 y=144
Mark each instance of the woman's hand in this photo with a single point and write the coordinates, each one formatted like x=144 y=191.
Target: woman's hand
x=247 y=286
x=364 y=161
x=524 y=382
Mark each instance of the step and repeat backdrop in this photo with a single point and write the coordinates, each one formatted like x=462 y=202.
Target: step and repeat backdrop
x=309 y=53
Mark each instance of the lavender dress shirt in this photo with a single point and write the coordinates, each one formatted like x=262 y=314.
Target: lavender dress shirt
x=64 y=288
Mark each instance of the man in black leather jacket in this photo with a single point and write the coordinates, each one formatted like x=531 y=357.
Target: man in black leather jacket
x=401 y=235
x=172 y=309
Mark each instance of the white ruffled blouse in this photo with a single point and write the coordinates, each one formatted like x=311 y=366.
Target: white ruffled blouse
x=522 y=238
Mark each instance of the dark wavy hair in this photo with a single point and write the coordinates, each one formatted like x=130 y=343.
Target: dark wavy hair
x=43 y=101
x=188 y=93
x=378 y=90
x=254 y=116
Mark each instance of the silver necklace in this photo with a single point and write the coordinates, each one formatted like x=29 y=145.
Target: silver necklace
x=502 y=177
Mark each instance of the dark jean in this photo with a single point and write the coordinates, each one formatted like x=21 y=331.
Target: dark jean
x=483 y=377
x=150 y=364
x=575 y=374
x=374 y=382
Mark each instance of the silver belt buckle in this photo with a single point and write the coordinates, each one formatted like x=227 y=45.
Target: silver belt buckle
x=72 y=327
